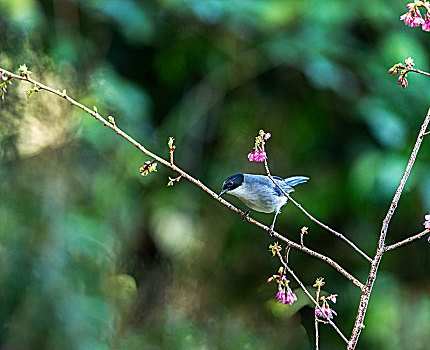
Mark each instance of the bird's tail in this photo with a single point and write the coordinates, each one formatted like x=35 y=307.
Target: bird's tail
x=295 y=180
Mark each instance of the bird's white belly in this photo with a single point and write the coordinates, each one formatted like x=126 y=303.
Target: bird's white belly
x=263 y=203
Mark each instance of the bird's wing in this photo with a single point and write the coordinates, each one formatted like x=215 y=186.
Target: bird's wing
x=295 y=180
x=285 y=186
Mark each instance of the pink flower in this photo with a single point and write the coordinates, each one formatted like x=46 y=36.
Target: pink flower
x=412 y=18
x=288 y=298
x=291 y=297
x=407 y=18
x=426 y=24
x=257 y=156
x=410 y=6
x=332 y=298
x=427 y=221
x=281 y=296
x=326 y=312
x=261 y=156
x=418 y=21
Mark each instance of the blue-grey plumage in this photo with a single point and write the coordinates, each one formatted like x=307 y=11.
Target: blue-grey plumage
x=258 y=192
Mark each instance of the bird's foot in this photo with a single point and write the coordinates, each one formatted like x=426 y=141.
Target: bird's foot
x=245 y=214
x=270 y=230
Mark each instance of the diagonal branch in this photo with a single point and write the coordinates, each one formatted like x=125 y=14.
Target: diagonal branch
x=184 y=174
x=406 y=241
x=298 y=205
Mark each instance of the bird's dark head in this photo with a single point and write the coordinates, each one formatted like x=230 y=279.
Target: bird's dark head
x=231 y=183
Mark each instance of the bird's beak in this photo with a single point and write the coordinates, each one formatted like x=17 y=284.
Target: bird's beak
x=222 y=192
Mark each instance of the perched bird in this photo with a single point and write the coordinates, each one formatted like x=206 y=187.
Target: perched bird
x=258 y=192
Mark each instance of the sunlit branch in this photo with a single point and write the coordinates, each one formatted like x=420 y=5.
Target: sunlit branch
x=418 y=71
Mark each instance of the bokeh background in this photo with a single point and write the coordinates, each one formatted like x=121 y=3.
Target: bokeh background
x=95 y=256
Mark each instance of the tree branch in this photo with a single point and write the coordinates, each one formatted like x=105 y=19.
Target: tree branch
x=167 y=163
x=418 y=71
x=298 y=205
x=406 y=241
x=364 y=301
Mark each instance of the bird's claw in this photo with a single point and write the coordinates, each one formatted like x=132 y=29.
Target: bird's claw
x=270 y=230
x=245 y=214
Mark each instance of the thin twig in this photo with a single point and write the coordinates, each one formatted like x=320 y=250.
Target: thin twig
x=337 y=234
x=406 y=241
x=364 y=301
x=197 y=182
x=418 y=71
x=291 y=272
x=317 y=336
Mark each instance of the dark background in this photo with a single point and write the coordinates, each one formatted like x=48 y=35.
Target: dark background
x=95 y=256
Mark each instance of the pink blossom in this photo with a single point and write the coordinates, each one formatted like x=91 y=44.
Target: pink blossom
x=291 y=297
x=412 y=18
x=326 y=312
x=257 y=156
x=410 y=6
x=332 y=298
x=407 y=18
x=418 y=21
x=281 y=296
x=427 y=221
x=426 y=24
x=261 y=156
x=288 y=298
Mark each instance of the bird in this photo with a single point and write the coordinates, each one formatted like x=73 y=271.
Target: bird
x=258 y=192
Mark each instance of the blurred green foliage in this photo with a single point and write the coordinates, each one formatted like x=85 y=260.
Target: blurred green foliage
x=94 y=256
